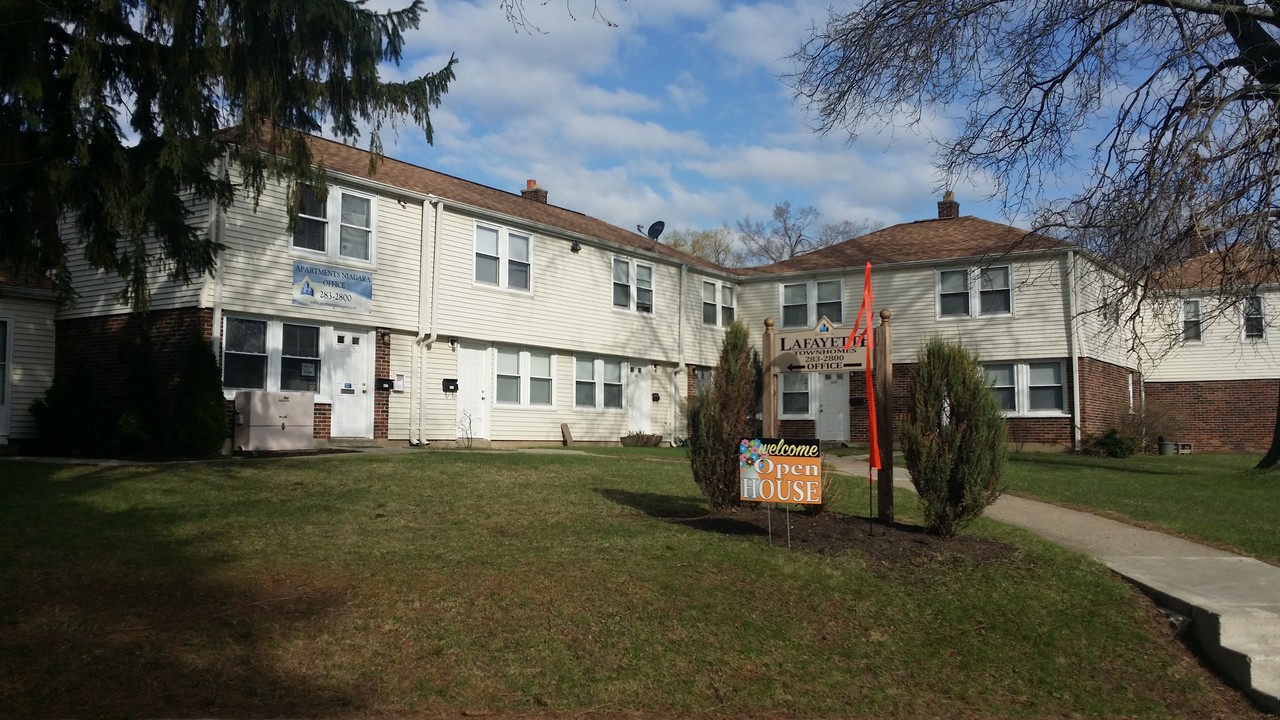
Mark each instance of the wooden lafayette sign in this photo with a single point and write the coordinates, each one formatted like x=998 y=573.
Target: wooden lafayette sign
x=819 y=349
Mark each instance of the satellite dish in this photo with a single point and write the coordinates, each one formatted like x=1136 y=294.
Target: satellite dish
x=656 y=229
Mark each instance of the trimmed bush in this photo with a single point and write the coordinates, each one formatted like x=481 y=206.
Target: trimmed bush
x=722 y=416
x=197 y=411
x=69 y=416
x=954 y=442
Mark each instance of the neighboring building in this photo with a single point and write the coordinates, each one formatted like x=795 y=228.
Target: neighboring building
x=1015 y=299
x=421 y=307
x=1215 y=370
x=27 y=307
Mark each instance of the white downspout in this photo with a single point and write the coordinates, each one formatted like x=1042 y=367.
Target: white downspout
x=427 y=336
x=218 y=225
x=1073 y=346
x=680 y=364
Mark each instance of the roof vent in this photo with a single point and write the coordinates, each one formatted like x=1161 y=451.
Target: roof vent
x=533 y=192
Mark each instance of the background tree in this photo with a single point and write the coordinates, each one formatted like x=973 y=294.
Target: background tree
x=1167 y=109
x=716 y=245
x=111 y=113
x=788 y=233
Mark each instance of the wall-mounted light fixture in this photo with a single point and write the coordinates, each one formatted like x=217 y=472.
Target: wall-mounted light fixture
x=576 y=247
x=453 y=343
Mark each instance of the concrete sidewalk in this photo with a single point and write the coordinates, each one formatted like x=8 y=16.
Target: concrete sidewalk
x=1232 y=602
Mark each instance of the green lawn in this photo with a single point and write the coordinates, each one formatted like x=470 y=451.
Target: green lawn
x=1215 y=498
x=524 y=584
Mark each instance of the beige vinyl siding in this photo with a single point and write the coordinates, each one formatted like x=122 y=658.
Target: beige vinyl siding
x=97 y=290
x=702 y=342
x=1102 y=314
x=1038 y=327
x=257 y=266
x=399 y=406
x=1222 y=353
x=569 y=304
x=31 y=327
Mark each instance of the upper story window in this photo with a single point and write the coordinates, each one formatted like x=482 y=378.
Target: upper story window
x=1029 y=388
x=975 y=292
x=804 y=303
x=524 y=377
x=341 y=226
x=1253 y=320
x=597 y=382
x=632 y=285
x=717 y=303
x=503 y=258
x=1191 y=320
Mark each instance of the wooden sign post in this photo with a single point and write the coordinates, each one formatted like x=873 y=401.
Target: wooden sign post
x=882 y=367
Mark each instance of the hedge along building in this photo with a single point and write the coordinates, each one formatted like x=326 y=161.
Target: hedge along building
x=495 y=316
x=1026 y=304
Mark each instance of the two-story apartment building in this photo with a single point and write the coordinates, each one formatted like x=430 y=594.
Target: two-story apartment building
x=422 y=307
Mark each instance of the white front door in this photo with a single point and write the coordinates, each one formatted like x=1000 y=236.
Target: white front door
x=6 y=337
x=474 y=379
x=833 y=407
x=639 y=402
x=350 y=384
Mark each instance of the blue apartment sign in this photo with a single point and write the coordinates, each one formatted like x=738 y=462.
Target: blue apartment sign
x=332 y=288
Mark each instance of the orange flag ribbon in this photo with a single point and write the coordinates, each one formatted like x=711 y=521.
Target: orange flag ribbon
x=865 y=335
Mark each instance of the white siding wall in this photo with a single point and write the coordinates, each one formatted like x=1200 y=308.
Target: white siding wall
x=569 y=305
x=702 y=342
x=96 y=290
x=257 y=266
x=31 y=358
x=1102 y=315
x=1222 y=354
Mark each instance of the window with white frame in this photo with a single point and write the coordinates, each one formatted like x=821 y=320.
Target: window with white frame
x=1253 y=320
x=244 y=354
x=704 y=378
x=1191 y=320
x=300 y=358
x=803 y=304
x=341 y=226
x=524 y=377
x=632 y=285
x=794 y=388
x=975 y=292
x=597 y=383
x=1029 y=388
x=717 y=303
x=503 y=258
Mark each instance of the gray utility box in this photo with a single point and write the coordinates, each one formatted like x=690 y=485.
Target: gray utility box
x=268 y=421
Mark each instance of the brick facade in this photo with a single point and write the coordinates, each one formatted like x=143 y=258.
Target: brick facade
x=1105 y=394
x=1219 y=416
x=105 y=348
x=381 y=398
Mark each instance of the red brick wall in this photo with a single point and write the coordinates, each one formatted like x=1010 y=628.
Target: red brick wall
x=1104 y=394
x=105 y=348
x=1219 y=416
x=381 y=398
x=323 y=421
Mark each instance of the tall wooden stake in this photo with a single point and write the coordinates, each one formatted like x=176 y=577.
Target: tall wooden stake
x=882 y=367
x=769 y=409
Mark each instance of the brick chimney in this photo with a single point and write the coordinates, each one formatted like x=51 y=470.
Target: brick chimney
x=532 y=192
x=947 y=207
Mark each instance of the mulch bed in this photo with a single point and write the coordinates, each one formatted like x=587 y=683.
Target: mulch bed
x=830 y=532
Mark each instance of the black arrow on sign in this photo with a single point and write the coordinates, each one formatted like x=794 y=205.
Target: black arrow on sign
x=796 y=367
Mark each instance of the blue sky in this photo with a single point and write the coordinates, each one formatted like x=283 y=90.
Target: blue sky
x=677 y=114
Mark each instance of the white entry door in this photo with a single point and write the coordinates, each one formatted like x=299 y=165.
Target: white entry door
x=350 y=384
x=833 y=407
x=639 y=403
x=474 y=378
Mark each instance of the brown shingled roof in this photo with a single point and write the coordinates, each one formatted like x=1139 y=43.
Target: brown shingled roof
x=935 y=239
x=12 y=276
x=1232 y=268
x=354 y=161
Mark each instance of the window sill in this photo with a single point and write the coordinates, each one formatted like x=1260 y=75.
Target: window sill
x=319 y=257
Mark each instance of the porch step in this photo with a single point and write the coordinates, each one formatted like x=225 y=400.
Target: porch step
x=351 y=443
